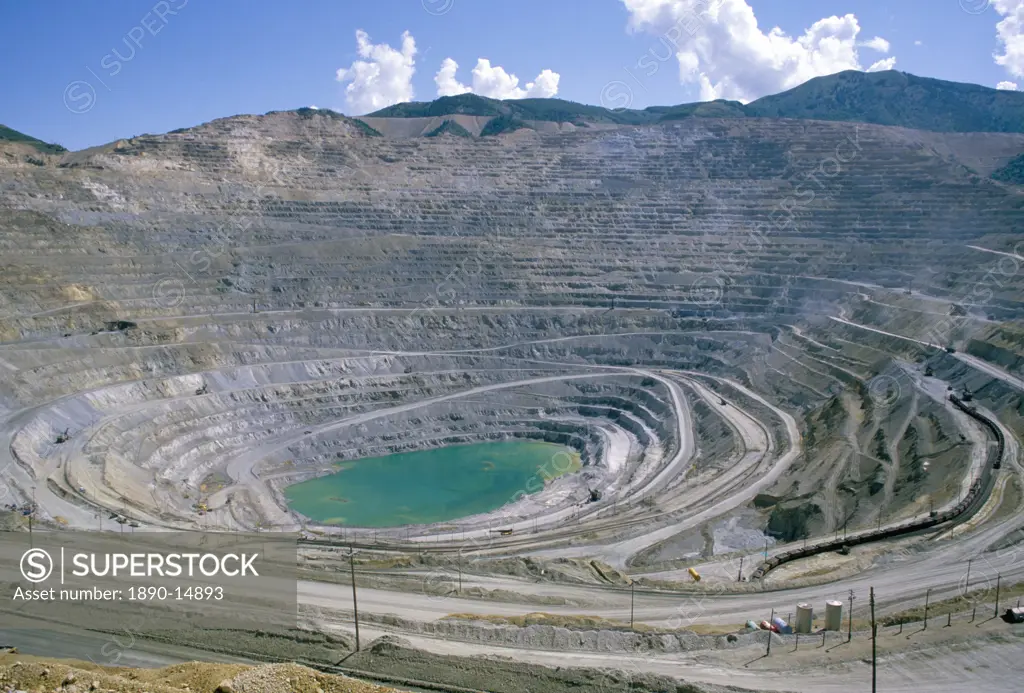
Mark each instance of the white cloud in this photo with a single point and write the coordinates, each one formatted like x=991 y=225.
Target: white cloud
x=719 y=46
x=877 y=44
x=382 y=78
x=885 y=64
x=447 y=84
x=314 y=108
x=1010 y=35
x=1007 y=86
x=494 y=82
x=919 y=42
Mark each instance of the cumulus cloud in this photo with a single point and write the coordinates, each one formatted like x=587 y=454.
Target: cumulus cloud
x=447 y=84
x=1007 y=86
x=884 y=64
x=720 y=47
x=877 y=44
x=492 y=81
x=1010 y=35
x=383 y=77
x=919 y=42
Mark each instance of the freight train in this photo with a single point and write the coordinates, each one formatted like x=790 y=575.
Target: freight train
x=975 y=495
x=993 y=429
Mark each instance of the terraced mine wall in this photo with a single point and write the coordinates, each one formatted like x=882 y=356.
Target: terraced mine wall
x=195 y=305
x=975 y=498
x=754 y=218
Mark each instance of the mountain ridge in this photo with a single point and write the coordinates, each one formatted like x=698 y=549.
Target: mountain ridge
x=880 y=98
x=889 y=98
x=11 y=135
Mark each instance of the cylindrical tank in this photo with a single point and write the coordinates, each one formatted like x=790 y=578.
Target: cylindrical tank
x=804 y=618
x=833 y=615
x=694 y=574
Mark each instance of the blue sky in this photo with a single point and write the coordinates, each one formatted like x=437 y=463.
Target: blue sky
x=204 y=59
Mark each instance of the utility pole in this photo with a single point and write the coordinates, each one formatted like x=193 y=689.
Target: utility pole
x=31 y=513
x=770 y=624
x=766 y=548
x=874 y=642
x=631 y=586
x=967 y=582
x=460 y=571
x=739 y=578
x=849 y=632
x=998 y=578
x=355 y=607
x=926 y=594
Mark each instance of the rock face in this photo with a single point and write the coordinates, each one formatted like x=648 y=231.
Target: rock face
x=703 y=215
x=251 y=294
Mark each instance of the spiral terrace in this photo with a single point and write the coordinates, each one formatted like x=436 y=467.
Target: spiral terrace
x=192 y=322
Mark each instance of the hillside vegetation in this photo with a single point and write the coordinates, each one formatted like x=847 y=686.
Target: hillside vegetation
x=9 y=135
x=1012 y=173
x=449 y=127
x=882 y=98
x=898 y=98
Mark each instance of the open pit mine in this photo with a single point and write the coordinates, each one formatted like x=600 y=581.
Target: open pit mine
x=568 y=392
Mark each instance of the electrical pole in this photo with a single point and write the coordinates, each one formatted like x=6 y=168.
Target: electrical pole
x=998 y=578
x=739 y=578
x=926 y=594
x=31 y=513
x=631 y=586
x=849 y=632
x=460 y=571
x=967 y=582
x=355 y=607
x=766 y=548
x=874 y=642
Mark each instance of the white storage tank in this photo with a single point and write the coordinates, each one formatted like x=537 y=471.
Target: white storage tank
x=833 y=615
x=804 y=618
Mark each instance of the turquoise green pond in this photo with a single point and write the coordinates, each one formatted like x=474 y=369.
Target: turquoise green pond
x=429 y=486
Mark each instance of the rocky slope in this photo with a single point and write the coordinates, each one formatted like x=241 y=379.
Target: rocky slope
x=197 y=301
